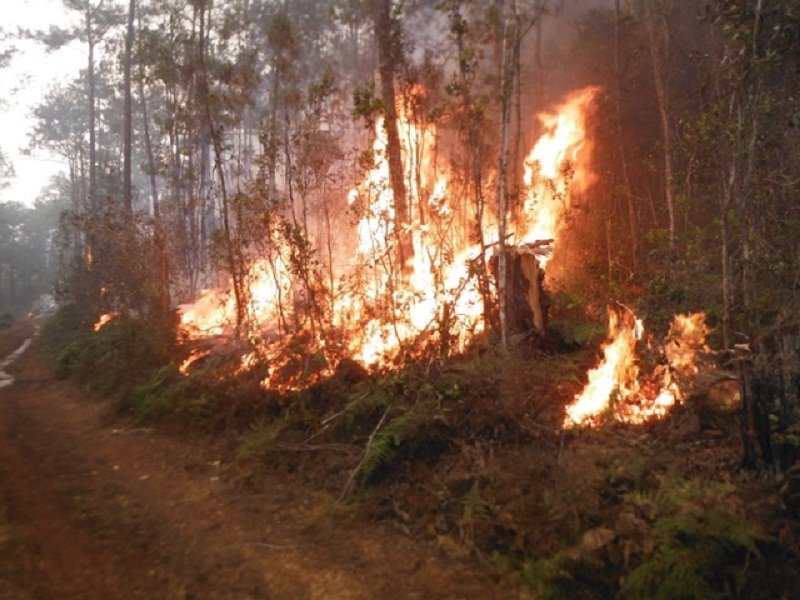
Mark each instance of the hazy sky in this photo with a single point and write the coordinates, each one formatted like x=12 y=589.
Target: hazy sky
x=23 y=83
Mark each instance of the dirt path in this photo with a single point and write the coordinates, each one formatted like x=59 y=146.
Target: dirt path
x=93 y=508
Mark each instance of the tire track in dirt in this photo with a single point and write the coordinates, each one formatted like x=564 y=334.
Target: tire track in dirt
x=107 y=510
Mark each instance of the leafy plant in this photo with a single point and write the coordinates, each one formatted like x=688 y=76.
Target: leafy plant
x=121 y=354
x=702 y=550
x=167 y=392
x=261 y=438
x=400 y=433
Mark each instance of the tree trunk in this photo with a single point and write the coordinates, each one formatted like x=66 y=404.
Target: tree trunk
x=127 y=192
x=659 y=56
x=458 y=27
x=231 y=252
x=501 y=199
x=91 y=91
x=386 y=38
x=148 y=144
x=633 y=224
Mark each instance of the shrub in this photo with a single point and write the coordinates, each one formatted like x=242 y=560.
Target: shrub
x=120 y=355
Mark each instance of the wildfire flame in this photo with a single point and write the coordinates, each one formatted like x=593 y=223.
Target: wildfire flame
x=214 y=312
x=104 y=319
x=378 y=312
x=554 y=168
x=615 y=386
x=193 y=357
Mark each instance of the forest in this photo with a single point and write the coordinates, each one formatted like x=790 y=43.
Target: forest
x=516 y=278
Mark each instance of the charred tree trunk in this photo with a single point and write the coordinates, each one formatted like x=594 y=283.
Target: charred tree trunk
x=386 y=36
x=537 y=299
x=527 y=302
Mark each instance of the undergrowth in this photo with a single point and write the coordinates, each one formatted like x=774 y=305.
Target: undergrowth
x=117 y=357
x=625 y=523
x=468 y=452
x=168 y=393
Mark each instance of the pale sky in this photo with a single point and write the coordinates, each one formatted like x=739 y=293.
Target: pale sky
x=23 y=83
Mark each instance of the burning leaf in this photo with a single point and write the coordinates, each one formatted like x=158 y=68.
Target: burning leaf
x=193 y=357
x=104 y=320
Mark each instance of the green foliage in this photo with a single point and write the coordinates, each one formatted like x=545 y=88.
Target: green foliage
x=402 y=433
x=548 y=576
x=581 y=333
x=167 y=392
x=261 y=439
x=27 y=251
x=366 y=105
x=608 y=526
x=702 y=551
x=118 y=356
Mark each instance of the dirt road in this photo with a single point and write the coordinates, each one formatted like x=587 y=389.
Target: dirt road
x=93 y=507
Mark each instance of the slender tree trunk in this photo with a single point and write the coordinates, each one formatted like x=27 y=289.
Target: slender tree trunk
x=127 y=191
x=458 y=26
x=74 y=188
x=659 y=44
x=92 y=134
x=752 y=153
x=232 y=254
x=501 y=204
x=633 y=224
x=516 y=156
x=386 y=38
x=726 y=277
x=148 y=144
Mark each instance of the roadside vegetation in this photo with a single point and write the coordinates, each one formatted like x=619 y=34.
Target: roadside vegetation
x=469 y=454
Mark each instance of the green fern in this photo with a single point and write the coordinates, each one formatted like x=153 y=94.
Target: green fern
x=475 y=507
x=702 y=551
x=385 y=446
x=545 y=576
x=261 y=439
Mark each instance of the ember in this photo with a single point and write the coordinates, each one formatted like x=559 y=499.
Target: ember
x=104 y=320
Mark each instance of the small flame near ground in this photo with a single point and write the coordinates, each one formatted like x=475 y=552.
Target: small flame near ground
x=194 y=356
x=104 y=320
x=617 y=388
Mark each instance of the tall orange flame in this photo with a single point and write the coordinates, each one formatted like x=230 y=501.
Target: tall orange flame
x=380 y=312
x=553 y=169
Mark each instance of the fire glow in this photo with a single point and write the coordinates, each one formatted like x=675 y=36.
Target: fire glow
x=378 y=316
x=616 y=387
x=104 y=320
x=554 y=168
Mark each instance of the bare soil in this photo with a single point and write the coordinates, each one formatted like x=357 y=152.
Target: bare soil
x=94 y=507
